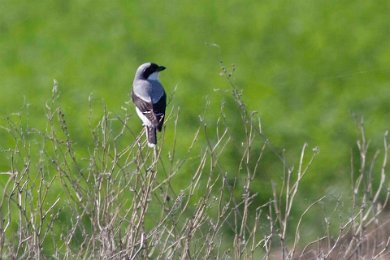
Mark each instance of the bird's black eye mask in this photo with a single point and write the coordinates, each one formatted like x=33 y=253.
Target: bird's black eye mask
x=150 y=69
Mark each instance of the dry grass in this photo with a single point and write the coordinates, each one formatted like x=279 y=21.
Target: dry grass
x=120 y=201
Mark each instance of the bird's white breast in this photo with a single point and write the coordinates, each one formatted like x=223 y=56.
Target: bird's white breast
x=154 y=76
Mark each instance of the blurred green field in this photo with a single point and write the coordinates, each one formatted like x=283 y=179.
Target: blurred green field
x=311 y=69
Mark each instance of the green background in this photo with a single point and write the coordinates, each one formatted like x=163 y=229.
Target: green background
x=311 y=69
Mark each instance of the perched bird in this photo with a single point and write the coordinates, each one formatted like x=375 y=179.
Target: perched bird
x=149 y=98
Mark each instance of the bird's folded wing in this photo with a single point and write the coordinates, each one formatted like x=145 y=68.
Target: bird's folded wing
x=146 y=108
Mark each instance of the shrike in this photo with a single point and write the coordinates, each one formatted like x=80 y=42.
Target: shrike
x=149 y=98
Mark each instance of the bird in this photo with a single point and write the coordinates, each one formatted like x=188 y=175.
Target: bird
x=149 y=98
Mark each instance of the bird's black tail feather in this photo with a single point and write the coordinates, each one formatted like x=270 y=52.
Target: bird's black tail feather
x=151 y=136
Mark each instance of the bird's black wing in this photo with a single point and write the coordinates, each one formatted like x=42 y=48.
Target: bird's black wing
x=159 y=110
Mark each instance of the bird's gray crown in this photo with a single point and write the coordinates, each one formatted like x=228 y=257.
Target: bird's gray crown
x=146 y=69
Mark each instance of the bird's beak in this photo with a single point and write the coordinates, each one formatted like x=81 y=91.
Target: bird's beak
x=161 y=68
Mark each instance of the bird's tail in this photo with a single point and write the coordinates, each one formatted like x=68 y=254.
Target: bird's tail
x=151 y=136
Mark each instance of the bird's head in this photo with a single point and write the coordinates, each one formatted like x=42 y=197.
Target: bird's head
x=149 y=71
